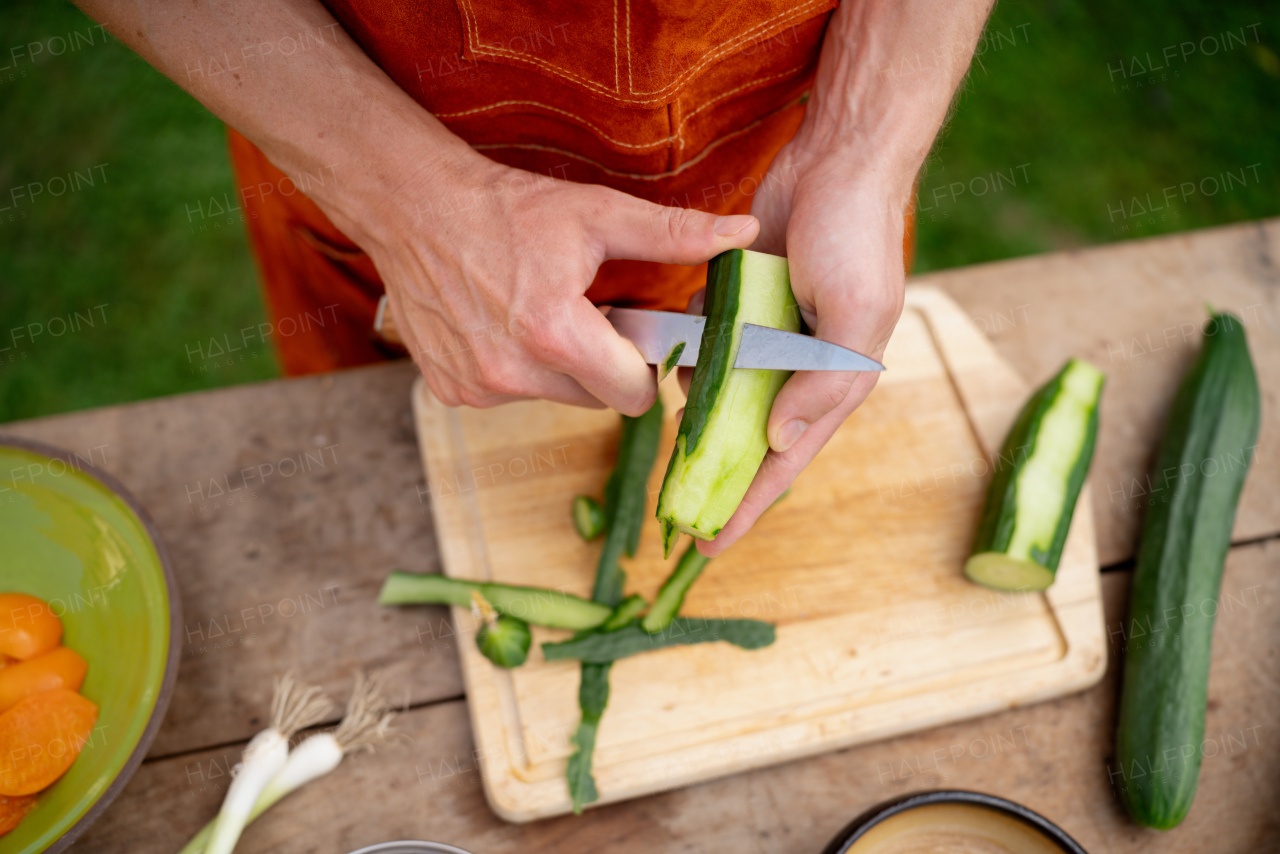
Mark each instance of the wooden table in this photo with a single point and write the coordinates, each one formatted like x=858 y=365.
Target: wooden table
x=283 y=573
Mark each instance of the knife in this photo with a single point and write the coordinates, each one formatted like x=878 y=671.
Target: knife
x=656 y=333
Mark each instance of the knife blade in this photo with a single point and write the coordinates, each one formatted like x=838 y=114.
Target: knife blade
x=655 y=333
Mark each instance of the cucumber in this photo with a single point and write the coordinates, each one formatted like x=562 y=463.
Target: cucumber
x=1037 y=479
x=669 y=599
x=588 y=517
x=601 y=647
x=722 y=437
x=1208 y=443
x=551 y=608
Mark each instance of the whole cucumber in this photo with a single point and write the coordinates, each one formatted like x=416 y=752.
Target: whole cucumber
x=1204 y=454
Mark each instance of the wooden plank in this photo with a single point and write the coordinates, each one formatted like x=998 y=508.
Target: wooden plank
x=878 y=631
x=1052 y=756
x=1136 y=310
x=283 y=505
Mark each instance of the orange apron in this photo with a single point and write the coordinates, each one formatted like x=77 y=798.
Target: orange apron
x=679 y=103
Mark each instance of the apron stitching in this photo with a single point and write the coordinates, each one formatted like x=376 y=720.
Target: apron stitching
x=706 y=58
x=600 y=133
x=722 y=96
x=616 y=81
x=651 y=177
x=678 y=125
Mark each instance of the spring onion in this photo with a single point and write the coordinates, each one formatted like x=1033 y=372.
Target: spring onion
x=367 y=723
x=294 y=707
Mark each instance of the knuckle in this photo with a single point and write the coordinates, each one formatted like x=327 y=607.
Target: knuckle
x=680 y=222
x=498 y=376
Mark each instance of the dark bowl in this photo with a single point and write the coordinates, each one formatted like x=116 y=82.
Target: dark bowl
x=863 y=824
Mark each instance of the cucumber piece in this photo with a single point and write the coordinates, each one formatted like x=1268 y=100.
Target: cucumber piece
x=1204 y=455
x=551 y=608
x=602 y=647
x=722 y=437
x=671 y=596
x=505 y=641
x=1038 y=475
x=588 y=517
x=670 y=361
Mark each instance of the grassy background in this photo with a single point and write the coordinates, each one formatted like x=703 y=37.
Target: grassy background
x=1054 y=111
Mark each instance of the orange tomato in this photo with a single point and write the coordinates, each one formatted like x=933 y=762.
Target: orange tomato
x=27 y=626
x=40 y=737
x=12 y=811
x=58 y=668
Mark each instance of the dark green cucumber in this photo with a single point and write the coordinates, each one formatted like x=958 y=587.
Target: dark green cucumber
x=599 y=647
x=1036 y=480
x=588 y=517
x=671 y=596
x=722 y=437
x=1205 y=452
x=551 y=608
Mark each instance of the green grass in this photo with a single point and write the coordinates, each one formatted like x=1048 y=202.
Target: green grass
x=126 y=242
x=1041 y=113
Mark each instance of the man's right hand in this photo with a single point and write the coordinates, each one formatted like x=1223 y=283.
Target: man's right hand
x=486 y=272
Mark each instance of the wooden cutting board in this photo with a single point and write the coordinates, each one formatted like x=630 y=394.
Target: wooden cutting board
x=879 y=633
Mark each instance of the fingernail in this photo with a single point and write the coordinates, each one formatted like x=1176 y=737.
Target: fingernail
x=727 y=226
x=790 y=434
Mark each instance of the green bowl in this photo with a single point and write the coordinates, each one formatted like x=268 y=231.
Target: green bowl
x=74 y=537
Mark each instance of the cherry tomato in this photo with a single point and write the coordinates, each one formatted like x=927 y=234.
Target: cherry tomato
x=27 y=626
x=59 y=668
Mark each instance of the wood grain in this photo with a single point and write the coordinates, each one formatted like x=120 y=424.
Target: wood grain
x=1052 y=756
x=878 y=631
x=283 y=505
x=1136 y=310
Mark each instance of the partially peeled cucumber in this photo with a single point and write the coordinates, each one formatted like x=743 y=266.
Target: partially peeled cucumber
x=722 y=438
x=1038 y=475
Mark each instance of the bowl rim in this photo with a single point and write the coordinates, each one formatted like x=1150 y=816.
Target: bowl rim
x=170 y=678
x=857 y=828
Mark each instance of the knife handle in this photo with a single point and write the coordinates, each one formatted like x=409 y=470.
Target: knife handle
x=384 y=326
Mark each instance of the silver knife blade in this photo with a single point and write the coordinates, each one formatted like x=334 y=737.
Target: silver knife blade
x=655 y=333
x=779 y=350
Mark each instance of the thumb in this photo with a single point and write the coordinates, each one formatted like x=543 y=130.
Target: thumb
x=642 y=231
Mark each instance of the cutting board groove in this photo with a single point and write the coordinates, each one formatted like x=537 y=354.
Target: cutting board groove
x=859 y=568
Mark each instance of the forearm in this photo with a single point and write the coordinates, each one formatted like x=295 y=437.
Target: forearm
x=323 y=111
x=885 y=81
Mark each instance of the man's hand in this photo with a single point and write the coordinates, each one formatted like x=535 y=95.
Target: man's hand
x=834 y=200
x=488 y=294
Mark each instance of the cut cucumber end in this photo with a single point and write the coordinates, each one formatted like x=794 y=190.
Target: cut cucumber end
x=1001 y=572
x=588 y=517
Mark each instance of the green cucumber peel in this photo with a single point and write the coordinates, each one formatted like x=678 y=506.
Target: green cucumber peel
x=671 y=595
x=632 y=639
x=625 y=495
